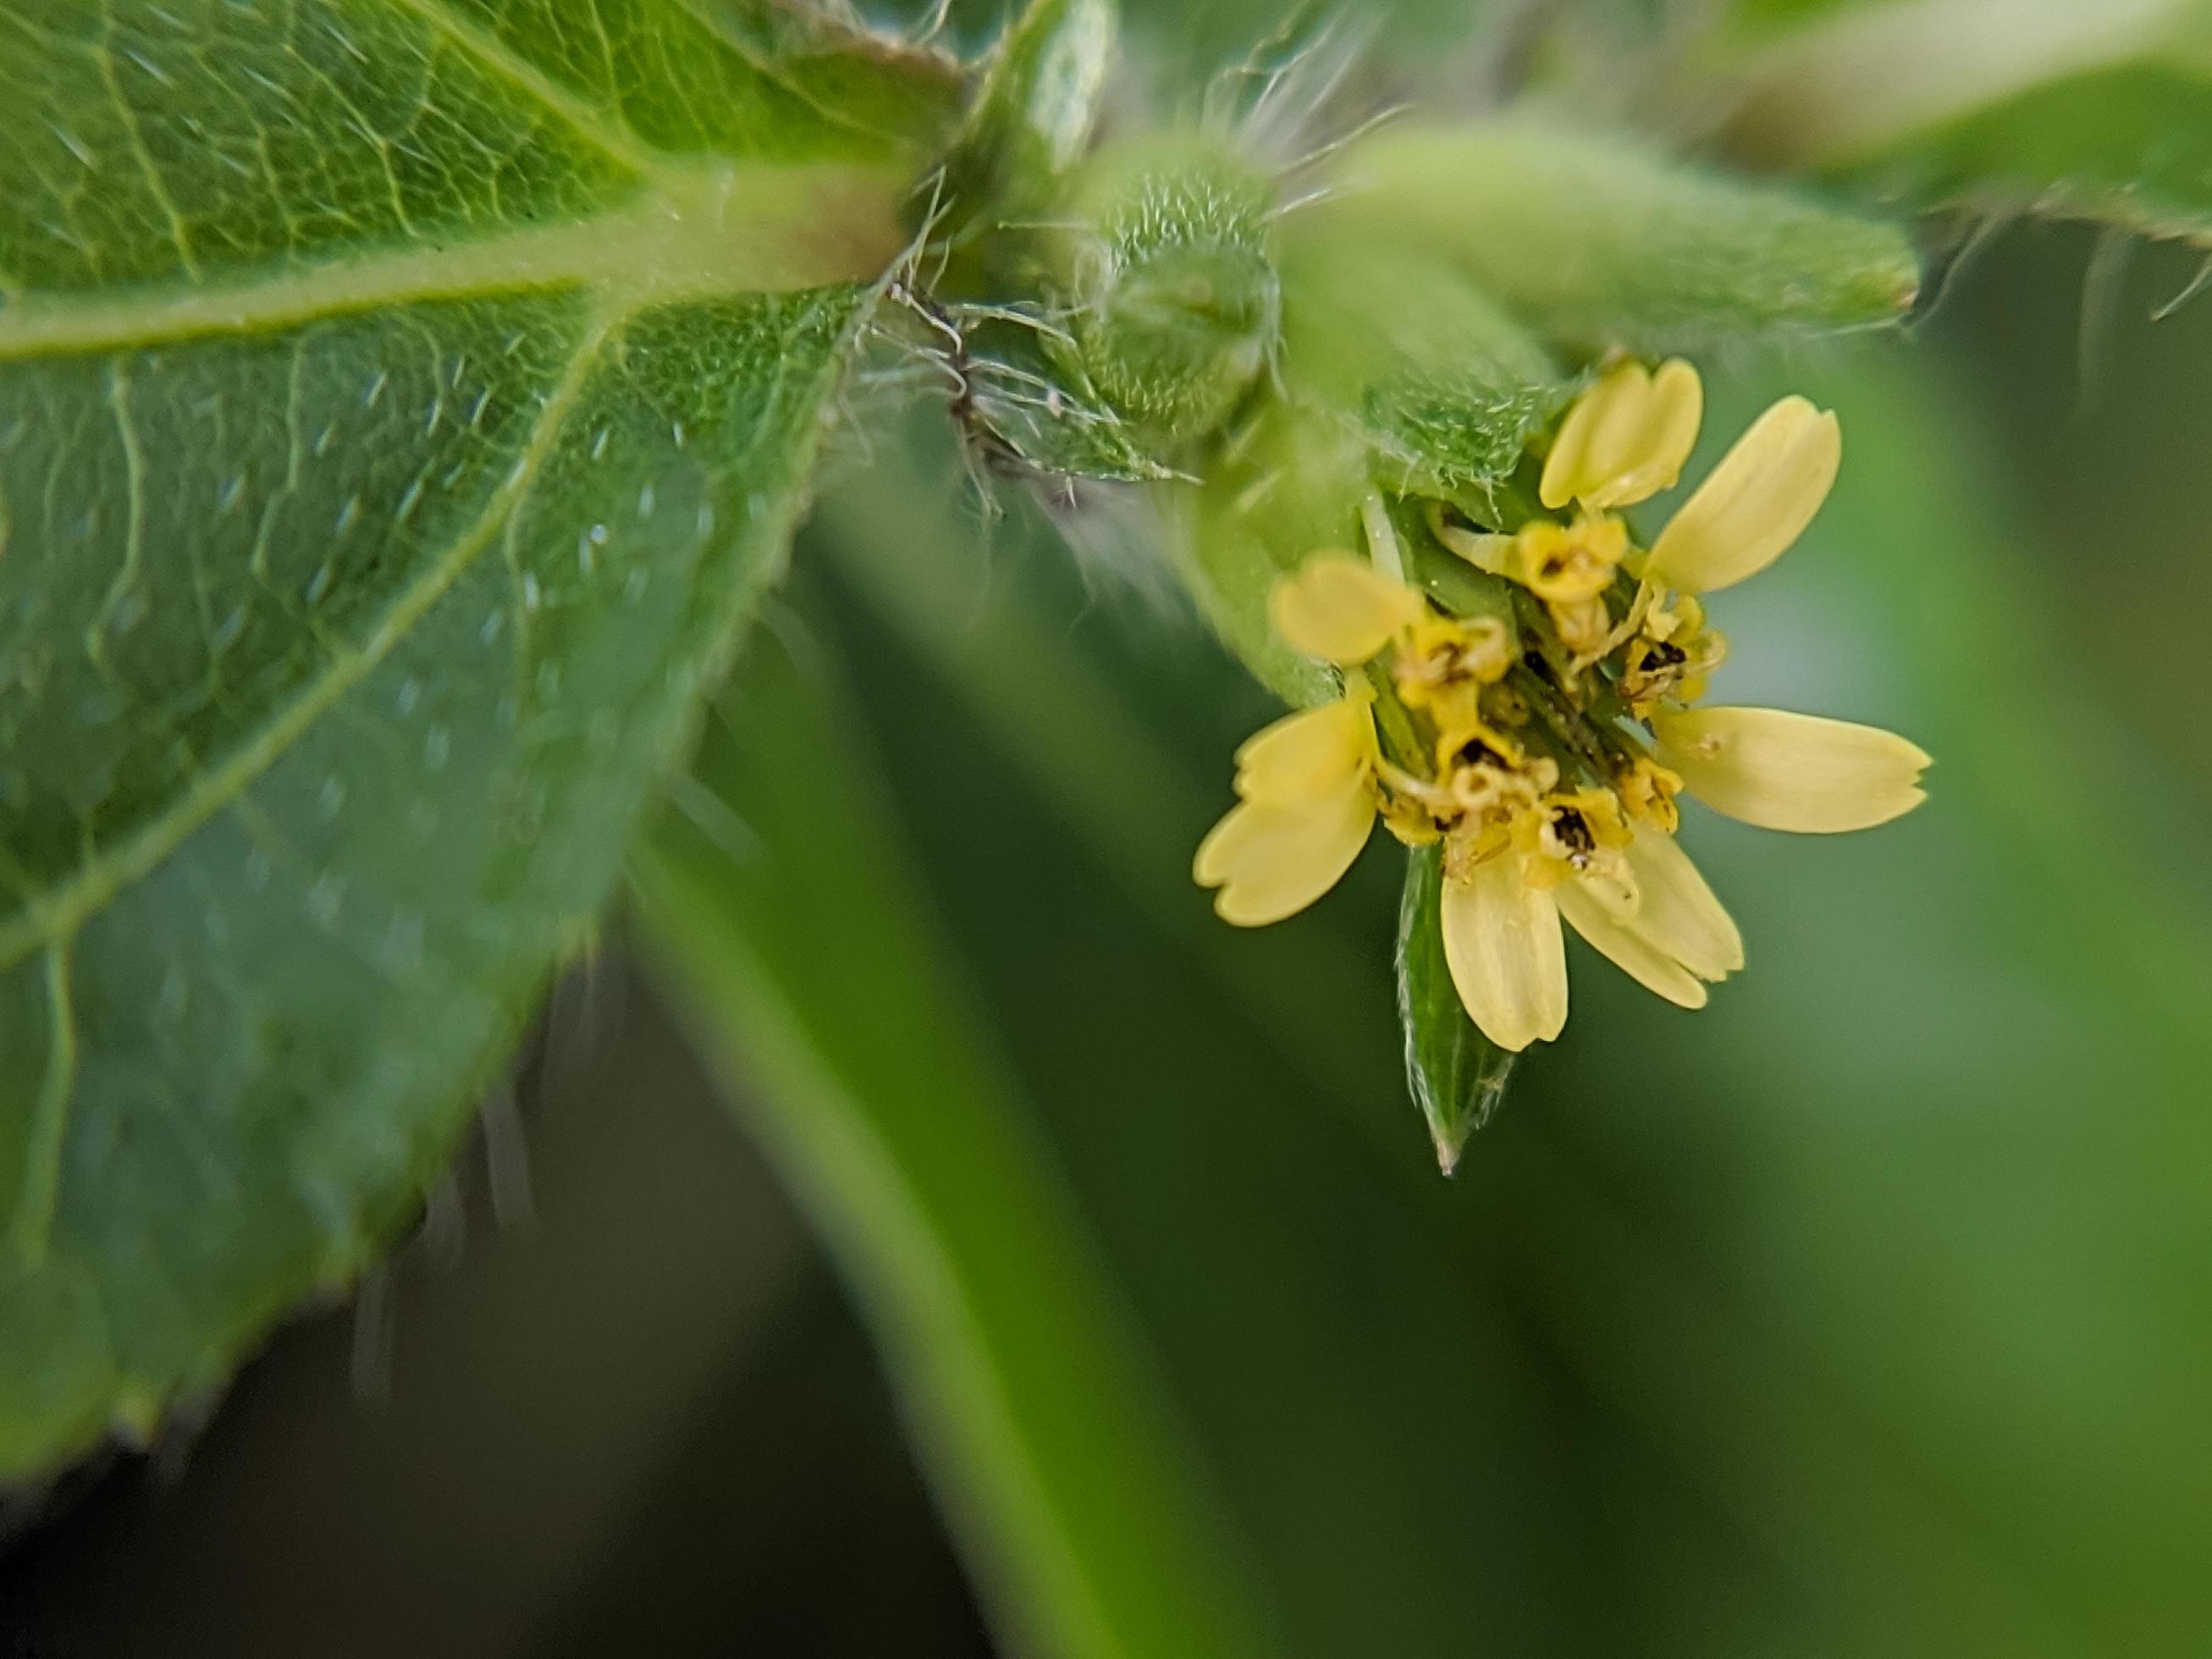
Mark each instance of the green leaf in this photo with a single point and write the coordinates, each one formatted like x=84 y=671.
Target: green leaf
x=2102 y=113
x=1033 y=114
x=1598 y=243
x=1456 y=1075
x=402 y=406
x=787 y=920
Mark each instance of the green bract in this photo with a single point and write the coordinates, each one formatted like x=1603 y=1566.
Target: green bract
x=1175 y=301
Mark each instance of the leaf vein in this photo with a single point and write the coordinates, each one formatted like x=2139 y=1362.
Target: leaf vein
x=600 y=127
x=33 y=1226
x=107 y=873
x=179 y=231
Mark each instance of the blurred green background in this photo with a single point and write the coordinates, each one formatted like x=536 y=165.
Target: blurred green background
x=1869 y=1311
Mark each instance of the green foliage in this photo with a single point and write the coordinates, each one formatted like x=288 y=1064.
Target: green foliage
x=1764 y=1329
x=789 y=923
x=2130 y=146
x=401 y=409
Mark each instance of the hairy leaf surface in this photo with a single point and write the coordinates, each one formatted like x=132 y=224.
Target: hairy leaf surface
x=401 y=404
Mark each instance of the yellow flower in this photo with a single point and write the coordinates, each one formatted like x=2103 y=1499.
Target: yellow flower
x=1306 y=790
x=1754 y=504
x=1625 y=439
x=1554 y=809
x=1306 y=800
x=1507 y=957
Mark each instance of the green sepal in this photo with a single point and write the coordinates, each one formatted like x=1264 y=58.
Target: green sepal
x=1600 y=244
x=1456 y=1075
x=1445 y=388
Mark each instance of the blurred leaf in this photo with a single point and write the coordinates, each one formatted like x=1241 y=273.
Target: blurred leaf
x=400 y=407
x=1597 y=242
x=789 y=923
x=2101 y=112
x=1457 y=1075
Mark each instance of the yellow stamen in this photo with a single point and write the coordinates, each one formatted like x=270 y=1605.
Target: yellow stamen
x=1584 y=628
x=1647 y=792
x=1567 y=564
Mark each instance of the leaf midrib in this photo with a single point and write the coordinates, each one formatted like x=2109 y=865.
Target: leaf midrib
x=698 y=232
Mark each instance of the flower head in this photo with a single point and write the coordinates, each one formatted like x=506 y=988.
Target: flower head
x=1544 y=743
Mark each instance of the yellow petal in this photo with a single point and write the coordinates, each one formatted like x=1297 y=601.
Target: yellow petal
x=1626 y=438
x=1784 y=771
x=1629 y=950
x=1307 y=756
x=1507 y=961
x=1342 y=610
x=1271 y=862
x=1757 y=501
x=1678 y=912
